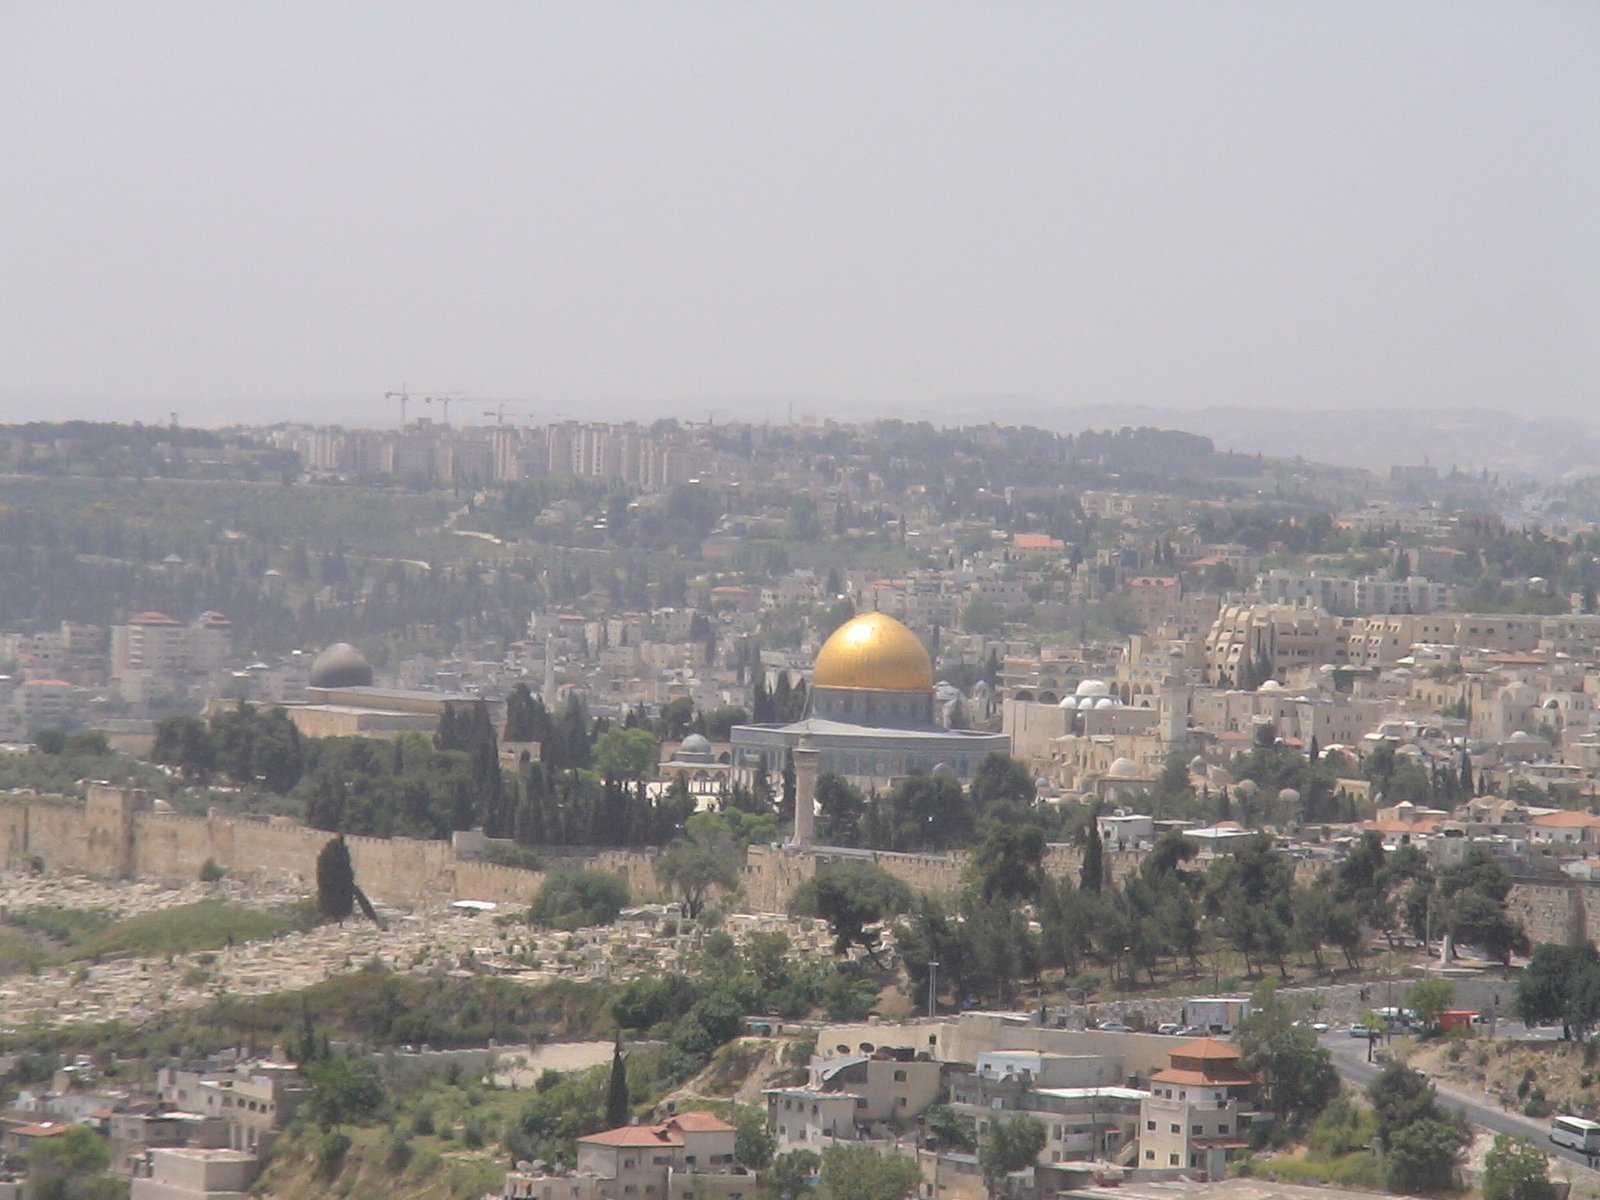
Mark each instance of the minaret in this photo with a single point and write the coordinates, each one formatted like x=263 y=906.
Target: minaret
x=549 y=695
x=805 y=790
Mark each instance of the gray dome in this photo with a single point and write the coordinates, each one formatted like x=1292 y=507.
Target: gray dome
x=341 y=665
x=694 y=748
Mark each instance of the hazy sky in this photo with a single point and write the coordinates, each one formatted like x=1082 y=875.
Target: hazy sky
x=257 y=211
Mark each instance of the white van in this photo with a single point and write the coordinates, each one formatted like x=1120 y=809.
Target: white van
x=1576 y=1133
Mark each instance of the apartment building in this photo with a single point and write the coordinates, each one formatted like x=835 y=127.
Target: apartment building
x=1199 y=1108
x=849 y=1094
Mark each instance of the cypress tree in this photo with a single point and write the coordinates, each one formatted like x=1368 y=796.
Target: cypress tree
x=618 y=1109
x=1093 y=872
x=336 y=880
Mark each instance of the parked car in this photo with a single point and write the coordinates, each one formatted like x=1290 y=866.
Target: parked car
x=1168 y=1027
x=1194 y=1031
x=1114 y=1027
x=1361 y=1031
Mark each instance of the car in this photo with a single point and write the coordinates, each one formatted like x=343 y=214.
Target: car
x=1194 y=1031
x=1361 y=1031
x=1168 y=1027
x=1114 y=1027
x=1319 y=1026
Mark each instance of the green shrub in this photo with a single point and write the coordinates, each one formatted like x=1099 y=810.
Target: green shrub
x=330 y=1153
x=210 y=872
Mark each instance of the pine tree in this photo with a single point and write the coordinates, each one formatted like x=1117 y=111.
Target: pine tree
x=1466 y=776
x=618 y=1109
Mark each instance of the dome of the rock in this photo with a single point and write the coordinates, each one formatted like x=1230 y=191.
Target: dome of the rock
x=874 y=651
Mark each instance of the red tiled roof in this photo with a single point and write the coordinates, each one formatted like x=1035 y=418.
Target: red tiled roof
x=669 y=1133
x=699 y=1122
x=1206 y=1048
x=636 y=1135
x=1568 y=820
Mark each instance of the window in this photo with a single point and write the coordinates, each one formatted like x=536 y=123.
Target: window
x=899 y=1076
x=1196 y=1130
x=900 y=1102
x=1172 y=1160
x=1223 y=1127
x=1150 y=1154
x=626 y=1163
x=861 y=1102
x=1177 y=1128
x=1150 y=1125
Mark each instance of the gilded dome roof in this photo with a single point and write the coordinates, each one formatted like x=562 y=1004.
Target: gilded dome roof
x=874 y=650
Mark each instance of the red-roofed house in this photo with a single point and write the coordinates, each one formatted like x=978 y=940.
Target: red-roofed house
x=1199 y=1108
x=688 y=1156
x=1564 y=828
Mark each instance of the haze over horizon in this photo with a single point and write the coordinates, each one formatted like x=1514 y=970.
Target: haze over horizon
x=260 y=212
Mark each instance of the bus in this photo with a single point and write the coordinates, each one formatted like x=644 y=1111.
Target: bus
x=1576 y=1133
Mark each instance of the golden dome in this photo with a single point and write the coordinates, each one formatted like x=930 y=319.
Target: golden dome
x=874 y=651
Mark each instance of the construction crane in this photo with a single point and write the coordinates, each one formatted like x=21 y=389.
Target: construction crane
x=444 y=400
x=498 y=412
x=403 y=396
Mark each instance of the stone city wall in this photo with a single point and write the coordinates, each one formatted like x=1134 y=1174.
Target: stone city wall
x=116 y=834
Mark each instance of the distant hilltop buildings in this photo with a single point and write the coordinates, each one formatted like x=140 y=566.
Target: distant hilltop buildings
x=495 y=453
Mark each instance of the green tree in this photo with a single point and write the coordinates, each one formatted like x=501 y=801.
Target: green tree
x=1009 y=863
x=573 y=899
x=1092 y=872
x=861 y=1173
x=752 y=1144
x=56 y=1164
x=1010 y=1146
x=692 y=867
x=1401 y=1097
x=626 y=754
x=1421 y=1158
x=950 y=1129
x=618 y=1110
x=1430 y=999
x=791 y=1176
x=1516 y=1169
x=345 y=1091
x=336 y=881
x=1297 y=1072
x=850 y=897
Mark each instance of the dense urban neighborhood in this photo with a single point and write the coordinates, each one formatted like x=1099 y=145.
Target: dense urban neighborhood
x=729 y=811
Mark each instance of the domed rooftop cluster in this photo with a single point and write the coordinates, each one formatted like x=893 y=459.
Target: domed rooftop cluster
x=874 y=651
x=341 y=665
x=1091 y=694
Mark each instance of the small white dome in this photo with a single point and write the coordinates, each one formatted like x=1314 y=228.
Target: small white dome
x=1069 y=702
x=1270 y=685
x=1094 y=687
x=1123 y=768
x=1105 y=702
x=1522 y=735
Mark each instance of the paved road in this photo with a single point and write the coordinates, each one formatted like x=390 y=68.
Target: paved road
x=1350 y=1059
